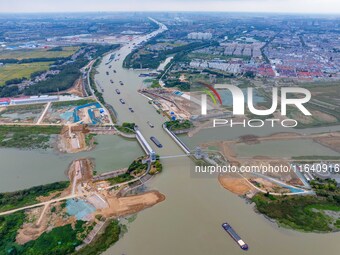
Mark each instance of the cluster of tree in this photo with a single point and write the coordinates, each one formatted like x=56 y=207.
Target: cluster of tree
x=295 y=211
x=37 y=73
x=181 y=56
x=9 y=91
x=62 y=81
x=127 y=63
x=102 y=49
x=60 y=240
x=183 y=86
x=137 y=165
x=218 y=74
x=103 y=242
x=249 y=74
x=328 y=184
x=10 y=224
x=11 y=200
x=120 y=179
x=126 y=127
x=15 y=81
x=152 y=59
x=178 y=125
x=157 y=167
x=69 y=73
x=327 y=188
x=31 y=60
x=98 y=94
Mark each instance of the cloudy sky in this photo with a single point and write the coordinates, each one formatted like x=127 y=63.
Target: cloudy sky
x=286 y=6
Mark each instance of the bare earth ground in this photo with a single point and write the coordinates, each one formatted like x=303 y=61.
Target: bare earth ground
x=33 y=228
x=239 y=186
x=72 y=139
x=21 y=114
x=235 y=184
x=317 y=115
x=77 y=88
x=121 y=206
x=330 y=142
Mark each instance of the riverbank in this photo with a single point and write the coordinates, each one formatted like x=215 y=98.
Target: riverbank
x=236 y=184
x=302 y=213
x=122 y=206
x=28 y=137
x=307 y=213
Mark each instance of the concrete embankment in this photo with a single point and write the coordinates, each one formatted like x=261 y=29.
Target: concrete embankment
x=176 y=139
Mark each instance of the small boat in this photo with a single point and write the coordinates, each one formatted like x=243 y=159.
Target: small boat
x=150 y=124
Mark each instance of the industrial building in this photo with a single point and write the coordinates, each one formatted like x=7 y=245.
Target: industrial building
x=5 y=101
x=34 y=99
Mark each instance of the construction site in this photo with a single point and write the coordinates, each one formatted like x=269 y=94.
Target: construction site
x=84 y=111
x=72 y=139
x=27 y=114
x=89 y=112
x=88 y=198
x=170 y=102
x=276 y=182
x=75 y=138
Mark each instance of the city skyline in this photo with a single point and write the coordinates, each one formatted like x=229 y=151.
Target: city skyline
x=265 y=6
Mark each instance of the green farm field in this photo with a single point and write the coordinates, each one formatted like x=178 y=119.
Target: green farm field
x=13 y=71
x=38 y=53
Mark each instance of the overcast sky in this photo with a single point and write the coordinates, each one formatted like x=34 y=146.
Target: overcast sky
x=286 y=6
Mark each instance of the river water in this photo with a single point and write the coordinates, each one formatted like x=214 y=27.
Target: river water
x=22 y=169
x=189 y=220
x=297 y=147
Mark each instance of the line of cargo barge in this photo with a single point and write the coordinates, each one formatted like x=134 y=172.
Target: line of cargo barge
x=235 y=236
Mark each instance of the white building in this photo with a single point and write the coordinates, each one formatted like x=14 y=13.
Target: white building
x=34 y=99
x=199 y=36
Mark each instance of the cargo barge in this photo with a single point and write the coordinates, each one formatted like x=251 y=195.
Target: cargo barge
x=155 y=141
x=235 y=236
